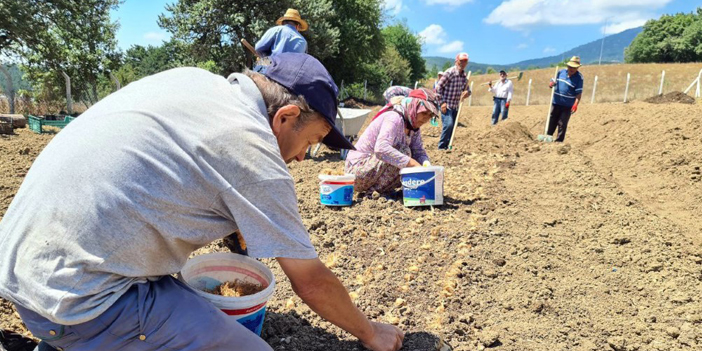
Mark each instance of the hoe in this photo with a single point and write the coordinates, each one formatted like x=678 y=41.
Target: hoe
x=519 y=77
x=545 y=137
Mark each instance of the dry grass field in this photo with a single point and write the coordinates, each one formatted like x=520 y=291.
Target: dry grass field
x=645 y=82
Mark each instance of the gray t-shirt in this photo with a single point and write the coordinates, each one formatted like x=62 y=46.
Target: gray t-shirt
x=131 y=188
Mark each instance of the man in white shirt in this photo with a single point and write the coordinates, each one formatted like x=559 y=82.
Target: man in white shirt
x=503 y=90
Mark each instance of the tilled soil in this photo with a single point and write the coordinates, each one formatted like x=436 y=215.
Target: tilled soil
x=592 y=244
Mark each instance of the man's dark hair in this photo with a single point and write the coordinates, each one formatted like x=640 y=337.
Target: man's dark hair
x=294 y=23
x=503 y=72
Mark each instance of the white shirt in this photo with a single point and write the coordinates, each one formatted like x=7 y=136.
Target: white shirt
x=502 y=90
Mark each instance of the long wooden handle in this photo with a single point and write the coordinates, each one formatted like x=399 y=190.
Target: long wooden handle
x=251 y=48
x=550 y=105
x=460 y=106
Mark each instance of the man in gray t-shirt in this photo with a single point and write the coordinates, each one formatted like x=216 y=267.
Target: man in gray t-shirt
x=120 y=198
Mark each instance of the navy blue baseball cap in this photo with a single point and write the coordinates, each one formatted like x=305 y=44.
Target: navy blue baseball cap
x=305 y=75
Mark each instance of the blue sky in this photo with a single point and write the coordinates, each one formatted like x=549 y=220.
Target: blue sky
x=491 y=31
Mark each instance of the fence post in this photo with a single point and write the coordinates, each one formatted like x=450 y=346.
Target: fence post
x=365 y=85
x=391 y=83
x=594 y=89
x=699 y=78
x=528 y=92
x=415 y=84
x=10 y=89
x=69 y=101
x=660 y=90
x=691 y=85
x=626 y=90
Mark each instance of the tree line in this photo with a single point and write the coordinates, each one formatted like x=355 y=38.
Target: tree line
x=47 y=38
x=671 y=38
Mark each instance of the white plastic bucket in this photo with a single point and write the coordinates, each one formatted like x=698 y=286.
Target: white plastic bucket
x=423 y=186
x=210 y=270
x=336 y=190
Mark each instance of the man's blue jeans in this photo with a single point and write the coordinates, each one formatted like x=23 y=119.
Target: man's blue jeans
x=448 y=119
x=156 y=315
x=497 y=108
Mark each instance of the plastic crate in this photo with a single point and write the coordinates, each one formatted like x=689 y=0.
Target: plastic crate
x=36 y=124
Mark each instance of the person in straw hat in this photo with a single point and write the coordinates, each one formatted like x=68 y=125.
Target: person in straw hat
x=285 y=37
x=569 y=90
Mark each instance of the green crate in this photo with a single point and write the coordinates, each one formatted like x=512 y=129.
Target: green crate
x=36 y=124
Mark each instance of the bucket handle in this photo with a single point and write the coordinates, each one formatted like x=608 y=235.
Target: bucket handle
x=420 y=184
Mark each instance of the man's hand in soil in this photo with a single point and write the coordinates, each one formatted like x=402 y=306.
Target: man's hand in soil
x=385 y=337
x=322 y=291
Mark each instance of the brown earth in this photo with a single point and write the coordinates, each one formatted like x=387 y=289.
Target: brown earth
x=675 y=96
x=593 y=244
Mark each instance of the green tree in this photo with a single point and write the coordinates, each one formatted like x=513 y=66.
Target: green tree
x=214 y=28
x=490 y=70
x=81 y=42
x=671 y=38
x=408 y=45
x=395 y=68
x=433 y=72
x=447 y=65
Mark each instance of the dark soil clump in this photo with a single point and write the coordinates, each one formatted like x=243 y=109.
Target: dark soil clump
x=674 y=97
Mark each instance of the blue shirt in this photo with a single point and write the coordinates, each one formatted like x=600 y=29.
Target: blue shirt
x=279 y=39
x=567 y=88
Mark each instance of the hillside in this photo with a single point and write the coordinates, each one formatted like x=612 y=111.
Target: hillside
x=431 y=61
x=613 y=51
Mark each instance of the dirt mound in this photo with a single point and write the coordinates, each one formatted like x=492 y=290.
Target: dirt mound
x=514 y=131
x=674 y=97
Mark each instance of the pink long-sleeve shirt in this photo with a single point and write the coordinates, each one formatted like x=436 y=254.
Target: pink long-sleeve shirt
x=383 y=137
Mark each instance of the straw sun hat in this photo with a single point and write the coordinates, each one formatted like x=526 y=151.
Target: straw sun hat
x=574 y=62
x=293 y=15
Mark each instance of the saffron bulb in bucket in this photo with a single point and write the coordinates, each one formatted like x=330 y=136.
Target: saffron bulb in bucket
x=206 y=272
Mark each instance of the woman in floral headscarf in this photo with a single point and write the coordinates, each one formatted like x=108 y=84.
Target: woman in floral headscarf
x=392 y=141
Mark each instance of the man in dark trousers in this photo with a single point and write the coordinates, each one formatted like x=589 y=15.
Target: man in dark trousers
x=569 y=90
x=453 y=88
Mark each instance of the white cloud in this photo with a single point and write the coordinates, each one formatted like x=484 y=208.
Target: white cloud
x=523 y=14
x=622 y=26
x=434 y=35
x=394 y=6
x=452 y=48
x=154 y=36
x=549 y=50
x=522 y=46
x=447 y=2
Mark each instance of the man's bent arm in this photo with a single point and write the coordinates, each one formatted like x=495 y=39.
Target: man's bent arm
x=322 y=291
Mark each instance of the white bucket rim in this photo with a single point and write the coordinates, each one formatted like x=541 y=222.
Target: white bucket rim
x=251 y=300
x=422 y=169
x=338 y=178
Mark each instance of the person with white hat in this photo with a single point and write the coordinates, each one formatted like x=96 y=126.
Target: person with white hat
x=285 y=37
x=438 y=78
x=569 y=90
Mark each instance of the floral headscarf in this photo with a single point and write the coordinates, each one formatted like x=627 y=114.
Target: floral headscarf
x=417 y=101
